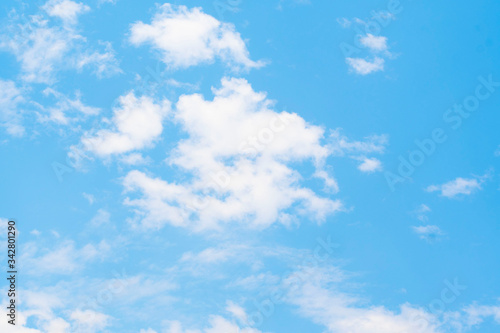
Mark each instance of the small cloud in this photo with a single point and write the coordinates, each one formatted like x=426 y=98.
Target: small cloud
x=428 y=232
x=183 y=85
x=68 y=11
x=10 y=111
x=370 y=165
x=330 y=182
x=421 y=212
x=363 y=67
x=344 y=23
x=374 y=43
x=90 y=198
x=64 y=106
x=102 y=217
x=383 y=15
x=101 y=2
x=458 y=186
x=372 y=50
x=35 y=232
x=237 y=311
x=135 y=159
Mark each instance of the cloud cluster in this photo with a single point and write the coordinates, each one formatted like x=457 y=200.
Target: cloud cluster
x=374 y=44
x=341 y=145
x=238 y=152
x=43 y=48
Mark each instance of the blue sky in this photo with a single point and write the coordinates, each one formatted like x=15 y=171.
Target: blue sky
x=252 y=166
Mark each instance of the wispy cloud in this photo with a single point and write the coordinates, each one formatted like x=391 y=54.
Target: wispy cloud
x=10 y=114
x=428 y=232
x=459 y=187
x=44 y=48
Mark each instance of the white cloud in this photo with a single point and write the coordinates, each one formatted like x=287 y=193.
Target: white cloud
x=237 y=311
x=217 y=324
x=104 y=63
x=210 y=255
x=315 y=292
x=66 y=10
x=64 y=258
x=137 y=123
x=101 y=2
x=135 y=159
x=344 y=22
x=149 y=330
x=256 y=281
x=363 y=67
x=90 y=198
x=323 y=294
x=188 y=37
x=39 y=307
x=35 y=232
x=43 y=49
x=370 y=165
x=458 y=186
x=421 y=212
x=477 y=313
x=101 y=217
x=372 y=50
x=374 y=43
x=237 y=151
x=10 y=115
x=340 y=145
x=428 y=232
x=64 y=105
x=89 y=321
x=330 y=182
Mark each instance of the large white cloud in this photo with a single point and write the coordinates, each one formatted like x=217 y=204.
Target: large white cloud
x=188 y=37
x=239 y=154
